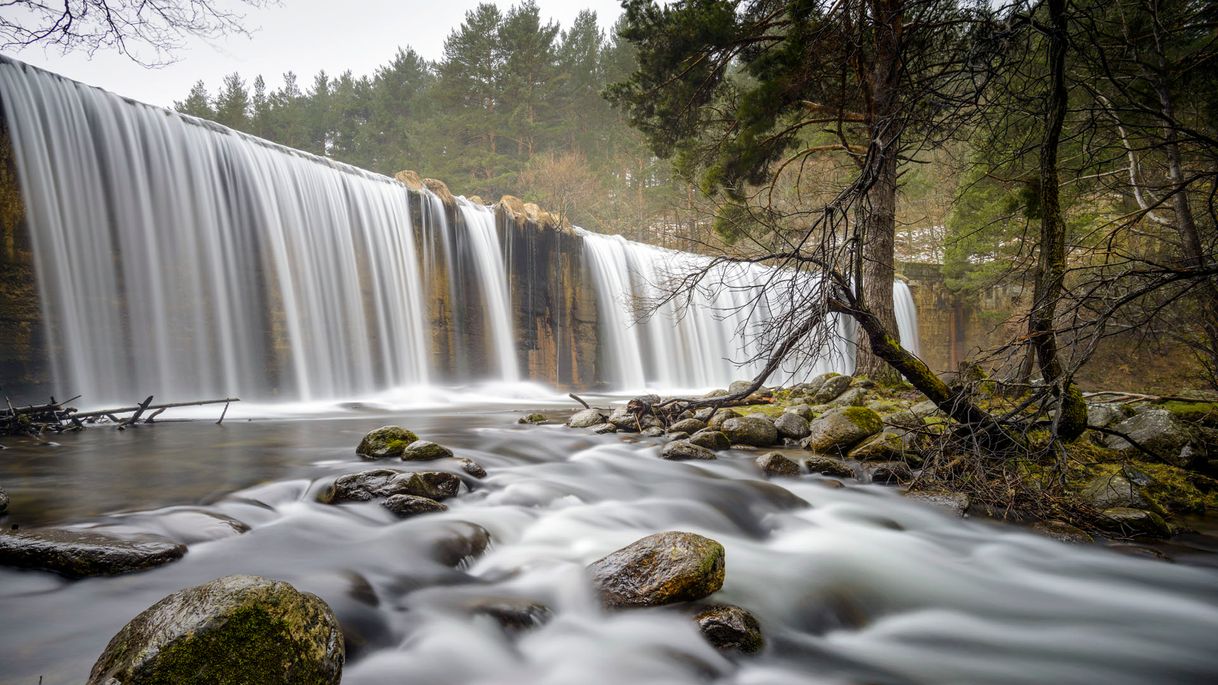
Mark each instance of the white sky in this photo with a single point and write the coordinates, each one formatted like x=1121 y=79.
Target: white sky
x=304 y=36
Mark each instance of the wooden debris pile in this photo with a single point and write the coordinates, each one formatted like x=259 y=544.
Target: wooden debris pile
x=58 y=417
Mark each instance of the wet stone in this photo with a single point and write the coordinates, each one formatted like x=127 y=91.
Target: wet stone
x=777 y=465
x=425 y=450
x=534 y=419
x=79 y=554
x=386 y=441
x=690 y=426
x=513 y=615
x=586 y=418
x=1062 y=532
x=471 y=467
x=891 y=473
x=652 y=432
x=602 y=428
x=730 y=629
x=684 y=450
x=828 y=466
x=406 y=506
x=710 y=439
x=660 y=569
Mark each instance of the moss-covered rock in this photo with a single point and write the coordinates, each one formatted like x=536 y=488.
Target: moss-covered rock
x=710 y=439
x=1134 y=522
x=534 y=419
x=237 y=629
x=425 y=450
x=837 y=430
x=757 y=431
x=890 y=472
x=716 y=422
x=690 y=426
x=777 y=465
x=791 y=425
x=883 y=446
x=730 y=629
x=801 y=410
x=660 y=569
x=831 y=389
x=80 y=554
x=1154 y=430
x=386 y=441
x=377 y=483
x=1200 y=413
x=684 y=450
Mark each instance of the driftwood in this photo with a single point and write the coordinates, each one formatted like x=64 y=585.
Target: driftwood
x=58 y=417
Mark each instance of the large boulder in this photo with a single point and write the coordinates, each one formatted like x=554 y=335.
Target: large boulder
x=716 y=422
x=833 y=387
x=1104 y=414
x=236 y=629
x=710 y=439
x=660 y=569
x=883 y=446
x=425 y=450
x=684 y=450
x=791 y=425
x=1116 y=490
x=586 y=418
x=730 y=629
x=851 y=398
x=837 y=430
x=79 y=554
x=377 y=483
x=1154 y=430
x=757 y=431
x=386 y=441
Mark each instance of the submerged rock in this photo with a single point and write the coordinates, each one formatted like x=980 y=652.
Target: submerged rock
x=829 y=467
x=586 y=418
x=775 y=464
x=1062 y=532
x=406 y=506
x=533 y=419
x=731 y=629
x=513 y=615
x=425 y=450
x=710 y=439
x=690 y=426
x=471 y=467
x=368 y=485
x=236 y=629
x=837 y=430
x=757 y=431
x=684 y=450
x=792 y=426
x=386 y=441
x=660 y=569
x=79 y=554
x=466 y=541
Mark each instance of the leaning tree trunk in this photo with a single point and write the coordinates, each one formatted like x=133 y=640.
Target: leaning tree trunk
x=1071 y=418
x=879 y=208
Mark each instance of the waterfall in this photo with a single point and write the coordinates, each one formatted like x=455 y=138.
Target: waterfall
x=179 y=258
x=710 y=342
x=488 y=256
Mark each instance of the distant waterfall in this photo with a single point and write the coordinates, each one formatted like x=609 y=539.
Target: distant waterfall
x=699 y=346
x=180 y=258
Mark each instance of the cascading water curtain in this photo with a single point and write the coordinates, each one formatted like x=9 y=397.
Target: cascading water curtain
x=179 y=258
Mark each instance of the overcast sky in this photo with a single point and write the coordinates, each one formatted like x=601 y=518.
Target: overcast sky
x=304 y=36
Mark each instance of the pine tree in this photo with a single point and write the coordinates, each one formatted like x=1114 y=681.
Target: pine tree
x=233 y=103
x=197 y=102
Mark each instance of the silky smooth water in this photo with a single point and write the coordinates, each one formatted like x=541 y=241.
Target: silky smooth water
x=853 y=585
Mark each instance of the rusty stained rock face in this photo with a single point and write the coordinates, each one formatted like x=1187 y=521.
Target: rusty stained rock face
x=660 y=569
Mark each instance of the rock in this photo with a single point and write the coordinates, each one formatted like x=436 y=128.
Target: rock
x=1104 y=415
x=652 y=432
x=830 y=484
x=792 y=426
x=236 y=629
x=660 y=569
x=471 y=467
x=406 y=506
x=410 y=179
x=1062 y=532
x=684 y=450
x=676 y=435
x=801 y=410
x=1115 y=490
x=1127 y=521
x=425 y=450
x=1154 y=430
x=854 y=397
x=738 y=386
x=467 y=541
x=80 y=554
x=837 y=430
x=883 y=446
x=954 y=502
x=710 y=439
x=891 y=473
x=775 y=464
x=831 y=389
x=586 y=418
x=717 y=392
x=925 y=408
x=513 y=615
x=813 y=386
x=829 y=467
x=387 y=441
x=690 y=426
x=757 y=431
x=369 y=485
x=730 y=628
x=625 y=420
x=3 y=501
x=533 y=419
x=716 y=422
x=603 y=428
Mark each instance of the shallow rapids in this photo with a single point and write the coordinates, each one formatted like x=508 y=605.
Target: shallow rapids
x=852 y=585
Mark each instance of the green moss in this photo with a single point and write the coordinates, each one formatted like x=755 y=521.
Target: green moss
x=864 y=418
x=1073 y=420
x=770 y=410
x=1204 y=413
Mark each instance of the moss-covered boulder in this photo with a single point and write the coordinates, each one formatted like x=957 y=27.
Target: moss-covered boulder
x=801 y=410
x=684 y=450
x=81 y=553
x=534 y=419
x=716 y=422
x=660 y=569
x=837 y=430
x=1134 y=522
x=827 y=466
x=710 y=439
x=236 y=629
x=757 y=431
x=883 y=446
x=406 y=506
x=1117 y=490
x=386 y=441
x=1154 y=430
x=776 y=465
x=792 y=426
x=853 y=397
x=831 y=389
x=379 y=483
x=690 y=425
x=425 y=450
x=730 y=629
x=587 y=418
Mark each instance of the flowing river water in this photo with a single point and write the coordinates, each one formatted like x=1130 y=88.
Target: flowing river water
x=852 y=585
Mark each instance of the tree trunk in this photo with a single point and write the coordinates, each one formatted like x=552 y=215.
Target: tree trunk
x=1051 y=263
